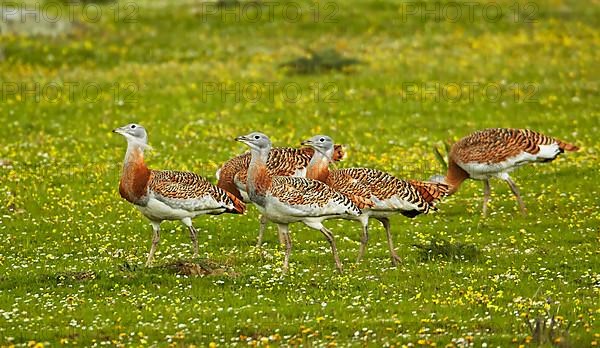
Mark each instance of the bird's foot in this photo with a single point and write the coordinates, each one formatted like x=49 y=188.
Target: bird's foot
x=396 y=259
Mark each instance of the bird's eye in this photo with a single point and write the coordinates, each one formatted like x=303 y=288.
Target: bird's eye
x=132 y=126
x=256 y=137
x=322 y=139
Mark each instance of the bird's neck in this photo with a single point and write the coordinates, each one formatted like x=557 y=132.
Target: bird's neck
x=455 y=176
x=134 y=178
x=259 y=179
x=318 y=167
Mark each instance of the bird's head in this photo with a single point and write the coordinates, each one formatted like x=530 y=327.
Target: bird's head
x=321 y=143
x=256 y=141
x=134 y=133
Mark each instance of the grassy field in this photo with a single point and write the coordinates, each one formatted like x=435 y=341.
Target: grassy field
x=196 y=76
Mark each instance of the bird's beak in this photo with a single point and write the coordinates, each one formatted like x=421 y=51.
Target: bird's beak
x=241 y=138
x=118 y=130
x=306 y=142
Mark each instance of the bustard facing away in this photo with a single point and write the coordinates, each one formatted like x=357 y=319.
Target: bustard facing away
x=283 y=161
x=495 y=152
x=379 y=194
x=284 y=200
x=168 y=195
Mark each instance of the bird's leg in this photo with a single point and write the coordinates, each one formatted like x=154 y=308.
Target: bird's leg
x=386 y=224
x=155 y=239
x=363 y=242
x=331 y=239
x=194 y=238
x=285 y=234
x=515 y=191
x=288 y=249
x=282 y=239
x=261 y=230
x=193 y=235
x=486 y=195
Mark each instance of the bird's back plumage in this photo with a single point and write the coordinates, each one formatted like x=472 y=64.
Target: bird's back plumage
x=283 y=161
x=311 y=196
x=356 y=190
x=496 y=145
x=189 y=191
x=391 y=193
x=430 y=191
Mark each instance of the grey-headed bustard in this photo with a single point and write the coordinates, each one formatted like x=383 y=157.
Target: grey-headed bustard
x=168 y=195
x=283 y=161
x=284 y=200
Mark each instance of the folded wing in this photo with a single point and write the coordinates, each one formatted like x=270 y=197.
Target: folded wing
x=189 y=191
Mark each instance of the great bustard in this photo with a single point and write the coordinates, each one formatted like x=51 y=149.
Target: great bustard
x=168 y=195
x=495 y=152
x=284 y=200
x=283 y=161
x=379 y=194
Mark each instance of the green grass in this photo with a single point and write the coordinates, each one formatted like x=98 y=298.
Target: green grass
x=71 y=259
